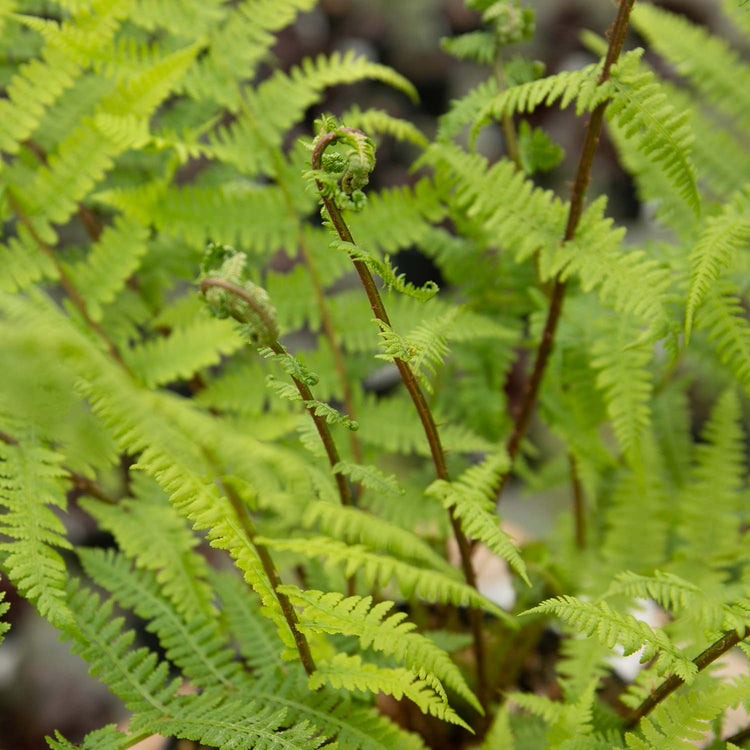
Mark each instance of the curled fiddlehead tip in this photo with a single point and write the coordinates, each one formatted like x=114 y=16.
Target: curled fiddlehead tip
x=230 y=294
x=511 y=22
x=344 y=173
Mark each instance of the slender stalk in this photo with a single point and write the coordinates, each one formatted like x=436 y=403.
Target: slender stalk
x=420 y=403
x=304 y=390
x=577 y=196
x=65 y=280
x=727 y=641
x=89 y=487
x=509 y=127
x=320 y=299
x=303 y=647
x=578 y=507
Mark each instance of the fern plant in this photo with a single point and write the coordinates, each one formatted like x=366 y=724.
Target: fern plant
x=199 y=285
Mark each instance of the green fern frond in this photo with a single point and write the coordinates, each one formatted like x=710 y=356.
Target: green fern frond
x=378 y=121
x=679 y=596
x=356 y=526
x=724 y=317
x=349 y=672
x=702 y=58
x=255 y=635
x=56 y=189
x=471 y=498
x=624 y=378
x=40 y=82
x=642 y=111
x=356 y=616
x=109 y=264
x=465 y=110
x=399 y=217
x=30 y=486
x=428 y=585
x=22 y=263
x=680 y=722
x=137 y=677
x=611 y=627
x=500 y=733
x=106 y=738
x=281 y=100
x=370 y=477
x=719 y=473
x=579 y=85
x=194 y=644
x=719 y=243
x=479 y=46
x=384 y=269
x=148 y=530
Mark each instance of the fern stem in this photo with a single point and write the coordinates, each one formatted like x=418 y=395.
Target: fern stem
x=509 y=127
x=578 y=507
x=577 y=196
x=420 y=403
x=65 y=280
x=290 y=615
x=727 y=641
x=304 y=390
x=739 y=738
x=325 y=316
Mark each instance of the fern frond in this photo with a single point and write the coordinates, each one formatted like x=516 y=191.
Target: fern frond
x=106 y=738
x=471 y=498
x=193 y=643
x=569 y=85
x=135 y=676
x=679 y=722
x=479 y=46
x=379 y=121
x=281 y=100
x=109 y=264
x=370 y=477
x=22 y=263
x=30 y=486
x=699 y=56
x=465 y=110
x=642 y=111
x=356 y=616
x=186 y=350
x=88 y=152
x=343 y=671
x=500 y=733
x=40 y=82
x=624 y=378
x=148 y=530
x=354 y=525
x=724 y=317
x=719 y=473
x=428 y=585
x=611 y=627
x=386 y=271
x=679 y=596
x=399 y=217
x=719 y=243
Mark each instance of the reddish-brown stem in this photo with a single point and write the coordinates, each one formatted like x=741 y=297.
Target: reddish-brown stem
x=65 y=280
x=420 y=403
x=303 y=647
x=577 y=195
x=304 y=391
x=727 y=641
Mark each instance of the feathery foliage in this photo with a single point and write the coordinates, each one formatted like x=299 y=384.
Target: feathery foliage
x=309 y=586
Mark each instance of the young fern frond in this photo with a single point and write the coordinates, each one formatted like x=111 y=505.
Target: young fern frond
x=344 y=671
x=354 y=615
x=471 y=497
x=106 y=738
x=611 y=627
